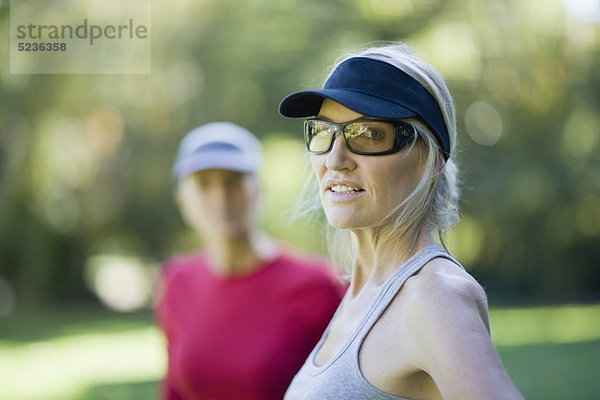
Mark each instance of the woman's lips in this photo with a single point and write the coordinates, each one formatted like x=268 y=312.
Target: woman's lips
x=343 y=191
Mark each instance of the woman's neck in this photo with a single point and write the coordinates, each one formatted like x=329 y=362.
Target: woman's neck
x=240 y=255
x=380 y=253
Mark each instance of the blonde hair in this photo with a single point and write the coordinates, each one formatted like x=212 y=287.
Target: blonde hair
x=433 y=203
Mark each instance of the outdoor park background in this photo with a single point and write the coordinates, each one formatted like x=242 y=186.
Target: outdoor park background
x=86 y=211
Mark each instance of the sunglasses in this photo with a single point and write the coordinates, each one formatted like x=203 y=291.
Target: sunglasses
x=365 y=136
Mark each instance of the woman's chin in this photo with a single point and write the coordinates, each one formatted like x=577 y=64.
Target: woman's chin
x=343 y=222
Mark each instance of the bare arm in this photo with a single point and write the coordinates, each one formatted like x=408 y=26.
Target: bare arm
x=448 y=322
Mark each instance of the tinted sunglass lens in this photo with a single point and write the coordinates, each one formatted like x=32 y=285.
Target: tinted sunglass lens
x=319 y=135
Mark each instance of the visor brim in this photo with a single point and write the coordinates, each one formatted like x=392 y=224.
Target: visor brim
x=307 y=103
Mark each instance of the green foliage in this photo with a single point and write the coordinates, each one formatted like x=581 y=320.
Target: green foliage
x=85 y=159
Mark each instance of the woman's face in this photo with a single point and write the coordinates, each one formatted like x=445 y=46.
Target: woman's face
x=359 y=191
x=218 y=202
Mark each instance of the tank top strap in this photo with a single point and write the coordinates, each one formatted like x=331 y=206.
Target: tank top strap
x=394 y=283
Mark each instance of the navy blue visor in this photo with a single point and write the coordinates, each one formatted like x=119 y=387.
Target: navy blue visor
x=375 y=89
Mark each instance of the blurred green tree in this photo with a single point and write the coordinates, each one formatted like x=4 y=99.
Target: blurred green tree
x=85 y=159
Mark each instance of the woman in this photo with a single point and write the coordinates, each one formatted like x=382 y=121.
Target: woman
x=241 y=314
x=413 y=323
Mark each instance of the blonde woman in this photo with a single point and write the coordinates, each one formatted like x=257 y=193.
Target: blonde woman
x=413 y=323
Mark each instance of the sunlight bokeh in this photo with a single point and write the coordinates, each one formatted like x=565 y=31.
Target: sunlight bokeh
x=122 y=283
x=583 y=10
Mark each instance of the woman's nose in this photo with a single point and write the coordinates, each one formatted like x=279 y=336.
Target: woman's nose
x=339 y=157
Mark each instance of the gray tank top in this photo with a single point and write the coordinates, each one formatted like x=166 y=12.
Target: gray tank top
x=340 y=377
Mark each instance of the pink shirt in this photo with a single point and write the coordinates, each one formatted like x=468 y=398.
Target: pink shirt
x=242 y=337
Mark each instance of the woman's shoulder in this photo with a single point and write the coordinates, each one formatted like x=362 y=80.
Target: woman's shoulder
x=442 y=291
x=448 y=332
x=445 y=316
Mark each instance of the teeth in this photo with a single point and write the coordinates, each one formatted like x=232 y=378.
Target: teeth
x=343 y=189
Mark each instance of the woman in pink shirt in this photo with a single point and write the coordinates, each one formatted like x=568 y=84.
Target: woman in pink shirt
x=242 y=314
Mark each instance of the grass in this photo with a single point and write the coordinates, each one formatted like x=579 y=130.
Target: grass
x=80 y=354
x=554 y=371
x=90 y=354
x=551 y=353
